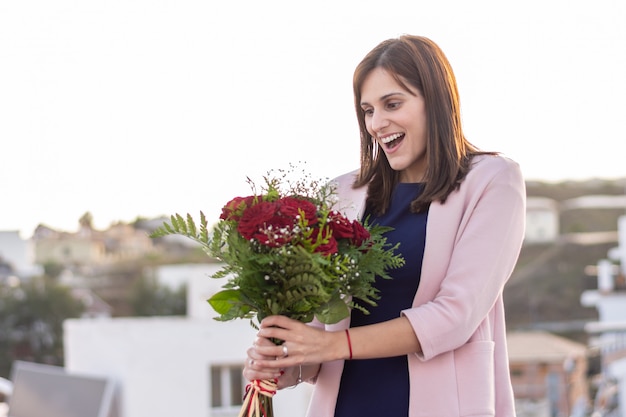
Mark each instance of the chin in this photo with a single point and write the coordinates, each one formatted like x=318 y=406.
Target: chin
x=398 y=166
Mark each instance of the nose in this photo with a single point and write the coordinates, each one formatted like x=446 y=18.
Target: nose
x=379 y=122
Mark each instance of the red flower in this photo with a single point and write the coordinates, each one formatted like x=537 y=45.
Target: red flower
x=233 y=209
x=266 y=223
x=293 y=206
x=255 y=218
x=272 y=223
x=340 y=226
x=361 y=234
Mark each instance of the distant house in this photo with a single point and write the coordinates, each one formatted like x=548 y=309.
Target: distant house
x=542 y=220
x=123 y=241
x=595 y=201
x=544 y=216
x=91 y=247
x=548 y=369
x=17 y=256
x=69 y=249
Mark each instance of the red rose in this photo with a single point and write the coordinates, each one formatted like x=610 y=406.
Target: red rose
x=361 y=234
x=276 y=232
x=293 y=207
x=255 y=218
x=340 y=226
x=233 y=209
x=327 y=248
x=266 y=224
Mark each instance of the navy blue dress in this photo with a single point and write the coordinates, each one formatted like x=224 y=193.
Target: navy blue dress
x=380 y=387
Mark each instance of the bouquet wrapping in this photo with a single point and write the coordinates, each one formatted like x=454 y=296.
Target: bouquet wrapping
x=288 y=251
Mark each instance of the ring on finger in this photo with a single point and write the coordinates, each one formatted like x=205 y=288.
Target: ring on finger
x=285 y=351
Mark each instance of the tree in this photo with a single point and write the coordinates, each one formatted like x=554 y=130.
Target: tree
x=53 y=269
x=31 y=322
x=149 y=298
x=86 y=221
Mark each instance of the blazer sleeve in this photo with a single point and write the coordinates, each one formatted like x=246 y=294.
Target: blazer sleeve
x=488 y=213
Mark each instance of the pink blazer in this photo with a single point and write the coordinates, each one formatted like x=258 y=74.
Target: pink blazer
x=472 y=244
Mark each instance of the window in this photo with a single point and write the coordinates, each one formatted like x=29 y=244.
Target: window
x=227 y=388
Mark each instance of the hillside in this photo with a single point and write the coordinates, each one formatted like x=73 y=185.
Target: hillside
x=565 y=190
x=548 y=282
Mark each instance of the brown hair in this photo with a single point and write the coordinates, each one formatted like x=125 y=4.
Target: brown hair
x=419 y=62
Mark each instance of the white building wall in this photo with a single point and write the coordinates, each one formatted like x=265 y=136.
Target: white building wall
x=542 y=220
x=19 y=253
x=162 y=364
x=612 y=307
x=541 y=227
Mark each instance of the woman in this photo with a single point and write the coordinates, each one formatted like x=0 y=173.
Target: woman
x=436 y=343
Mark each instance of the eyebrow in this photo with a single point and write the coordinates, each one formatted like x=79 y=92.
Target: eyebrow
x=385 y=97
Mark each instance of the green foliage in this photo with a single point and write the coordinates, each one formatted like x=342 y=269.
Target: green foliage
x=297 y=278
x=53 y=269
x=149 y=298
x=31 y=322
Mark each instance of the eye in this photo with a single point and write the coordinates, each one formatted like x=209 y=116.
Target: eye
x=368 y=111
x=393 y=105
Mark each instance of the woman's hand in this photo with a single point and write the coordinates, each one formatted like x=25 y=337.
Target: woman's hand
x=253 y=369
x=302 y=346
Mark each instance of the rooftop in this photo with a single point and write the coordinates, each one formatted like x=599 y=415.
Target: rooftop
x=538 y=346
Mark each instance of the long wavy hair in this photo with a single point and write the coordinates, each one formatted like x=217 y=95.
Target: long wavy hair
x=419 y=62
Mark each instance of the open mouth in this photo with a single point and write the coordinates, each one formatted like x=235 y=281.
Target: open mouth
x=392 y=140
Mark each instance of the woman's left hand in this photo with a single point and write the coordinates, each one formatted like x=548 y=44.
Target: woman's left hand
x=302 y=344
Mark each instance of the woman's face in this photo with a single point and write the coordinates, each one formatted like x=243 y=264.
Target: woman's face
x=396 y=119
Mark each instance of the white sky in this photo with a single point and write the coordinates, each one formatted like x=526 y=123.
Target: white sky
x=129 y=108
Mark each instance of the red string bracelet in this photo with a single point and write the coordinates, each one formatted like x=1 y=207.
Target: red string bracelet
x=349 y=343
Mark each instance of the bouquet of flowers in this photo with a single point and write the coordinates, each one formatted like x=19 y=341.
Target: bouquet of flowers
x=287 y=251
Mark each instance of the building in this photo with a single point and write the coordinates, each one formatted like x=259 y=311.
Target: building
x=548 y=372
x=91 y=247
x=609 y=333
x=542 y=220
x=17 y=257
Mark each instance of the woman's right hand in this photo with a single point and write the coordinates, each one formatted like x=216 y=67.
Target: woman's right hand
x=252 y=371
